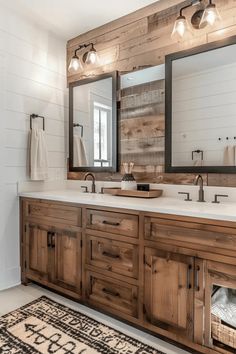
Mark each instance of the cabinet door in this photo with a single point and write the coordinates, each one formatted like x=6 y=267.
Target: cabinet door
x=169 y=291
x=66 y=268
x=37 y=252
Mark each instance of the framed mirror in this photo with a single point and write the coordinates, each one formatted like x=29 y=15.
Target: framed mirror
x=201 y=109
x=93 y=124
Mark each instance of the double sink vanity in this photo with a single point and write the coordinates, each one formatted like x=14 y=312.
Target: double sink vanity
x=153 y=263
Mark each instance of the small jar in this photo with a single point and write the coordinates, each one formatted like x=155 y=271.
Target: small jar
x=128 y=182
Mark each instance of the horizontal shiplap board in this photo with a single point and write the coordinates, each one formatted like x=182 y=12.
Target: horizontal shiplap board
x=19 y=158
x=21 y=121
x=28 y=70
x=201 y=113
x=208 y=128
x=31 y=88
x=212 y=89
x=34 y=39
x=25 y=104
x=205 y=102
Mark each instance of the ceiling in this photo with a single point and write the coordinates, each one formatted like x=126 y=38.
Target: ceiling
x=69 y=18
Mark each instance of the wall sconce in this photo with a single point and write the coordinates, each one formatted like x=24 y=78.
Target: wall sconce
x=89 y=58
x=200 y=19
x=211 y=14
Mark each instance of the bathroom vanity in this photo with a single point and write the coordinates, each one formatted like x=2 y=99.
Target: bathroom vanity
x=153 y=263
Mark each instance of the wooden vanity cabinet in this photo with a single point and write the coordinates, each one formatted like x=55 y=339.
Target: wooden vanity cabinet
x=154 y=270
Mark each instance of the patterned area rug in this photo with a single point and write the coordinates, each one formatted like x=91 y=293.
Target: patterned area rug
x=44 y=326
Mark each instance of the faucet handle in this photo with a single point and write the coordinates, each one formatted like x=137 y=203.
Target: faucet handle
x=102 y=190
x=85 y=189
x=187 y=199
x=216 y=201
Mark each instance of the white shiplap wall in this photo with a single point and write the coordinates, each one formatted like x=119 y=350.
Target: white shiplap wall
x=32 y=80
x=204 y=106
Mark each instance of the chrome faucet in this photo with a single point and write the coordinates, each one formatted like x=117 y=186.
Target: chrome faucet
x=201 y=191
x=89 y=174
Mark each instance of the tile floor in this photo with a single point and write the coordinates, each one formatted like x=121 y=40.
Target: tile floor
x=16 y=297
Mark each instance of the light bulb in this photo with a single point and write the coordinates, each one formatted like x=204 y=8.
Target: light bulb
x=91 y=57
x=75 y=64
x=181 y=28
x=211 y=15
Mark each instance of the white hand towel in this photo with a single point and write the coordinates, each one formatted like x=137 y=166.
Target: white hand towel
x=80 y=156
x=38 y=155
x=229 y=156
x=197 y=162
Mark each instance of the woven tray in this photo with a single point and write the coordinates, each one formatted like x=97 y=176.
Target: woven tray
x=153 y=193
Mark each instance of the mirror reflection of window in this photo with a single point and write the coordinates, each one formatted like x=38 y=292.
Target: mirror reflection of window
x=102 y=135
x=93 y=110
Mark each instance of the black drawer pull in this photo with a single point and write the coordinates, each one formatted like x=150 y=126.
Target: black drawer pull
x=53 y=245
x=49 y=239
x=197 y=270
x=189 y=286
x=110 y=292
x=107 y=254
x=105 y=222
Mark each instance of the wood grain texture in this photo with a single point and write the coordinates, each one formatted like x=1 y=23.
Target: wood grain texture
x=138 y=40
x=144 y=279
x=168 y=291
x=114 y=256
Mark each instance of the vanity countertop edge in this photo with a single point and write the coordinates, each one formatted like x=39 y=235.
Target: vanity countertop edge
x=164 y=205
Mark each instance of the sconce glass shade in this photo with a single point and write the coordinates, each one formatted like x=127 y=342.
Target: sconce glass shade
x=211 y=15
x=75 y=64
x=91 y=57
x=181 y=29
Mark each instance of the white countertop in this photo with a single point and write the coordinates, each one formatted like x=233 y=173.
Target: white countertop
x=167 y=205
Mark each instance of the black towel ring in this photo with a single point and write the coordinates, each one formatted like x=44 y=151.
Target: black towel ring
x=81 y=126
x=34 y=116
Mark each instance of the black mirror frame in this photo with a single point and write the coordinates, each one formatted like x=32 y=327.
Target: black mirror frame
x=168 y=109
x=115 y=88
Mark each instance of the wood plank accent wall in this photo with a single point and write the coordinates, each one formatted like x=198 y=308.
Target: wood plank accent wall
x=138 y=40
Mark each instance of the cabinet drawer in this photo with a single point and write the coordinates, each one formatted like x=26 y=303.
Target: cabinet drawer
x=115 y=256
x=107 y=294
x=56 y=213
x=197 y=235
x=116 y=223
